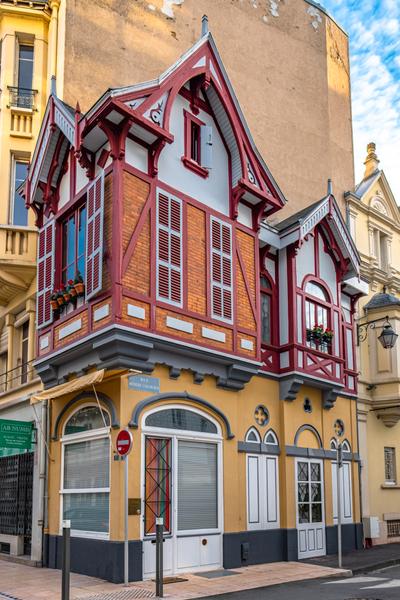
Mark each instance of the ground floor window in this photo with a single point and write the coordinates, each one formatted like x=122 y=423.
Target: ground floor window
x=86 y=472
x=262 y=492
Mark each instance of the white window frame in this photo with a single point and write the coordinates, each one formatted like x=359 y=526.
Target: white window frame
x=215 y=284
x=15 y=158
x=177 y=435
x=256 y=433
x=271 y=432
x=262 y=483
x=164 y=263
x=390 y=481
x=74 y=438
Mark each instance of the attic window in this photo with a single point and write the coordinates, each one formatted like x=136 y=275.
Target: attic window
x=198 y=145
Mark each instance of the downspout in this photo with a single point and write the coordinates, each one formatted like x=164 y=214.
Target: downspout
x=52 y=44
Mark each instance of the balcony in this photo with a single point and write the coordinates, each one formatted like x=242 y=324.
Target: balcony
x=17 y=260
x=23 y=374
x=22 y=98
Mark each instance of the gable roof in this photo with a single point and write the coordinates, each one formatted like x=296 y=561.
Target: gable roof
x=297 y=227
x=367 y=183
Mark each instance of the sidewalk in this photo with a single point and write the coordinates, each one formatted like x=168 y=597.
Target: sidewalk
x=21 y=582
x=362 y=561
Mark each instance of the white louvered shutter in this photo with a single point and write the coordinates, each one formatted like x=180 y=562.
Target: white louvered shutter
x=94 y=237
x=45 y=277
x=169 y=249
x=206 y=140
x=221 y=270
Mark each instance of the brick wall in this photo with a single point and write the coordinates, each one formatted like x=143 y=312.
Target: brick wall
x=245 y=243
x=196 y=260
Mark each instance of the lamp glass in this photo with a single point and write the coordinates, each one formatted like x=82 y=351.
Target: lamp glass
x=388 y=337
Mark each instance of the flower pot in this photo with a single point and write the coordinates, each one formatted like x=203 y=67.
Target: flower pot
x=60 y=300
x=73 y=291
x=80 y=288
x=54 y=304
x=67 y=297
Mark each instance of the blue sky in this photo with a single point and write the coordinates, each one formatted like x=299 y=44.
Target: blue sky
x=374 y=30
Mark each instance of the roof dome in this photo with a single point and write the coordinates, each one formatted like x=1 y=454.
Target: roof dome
x=382 y=299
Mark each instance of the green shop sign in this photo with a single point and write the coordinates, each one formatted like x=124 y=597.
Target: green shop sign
x=16 y=435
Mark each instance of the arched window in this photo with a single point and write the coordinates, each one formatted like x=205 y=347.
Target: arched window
x=318 y=317
x=346 y=446
x=85 y=487
x=270 y=438
x=180 y=418
x=266 y=310
x=333 y=444
x=253 y=436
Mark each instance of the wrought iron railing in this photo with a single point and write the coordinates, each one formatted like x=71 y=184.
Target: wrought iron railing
x=22 y=97
x=19 y=375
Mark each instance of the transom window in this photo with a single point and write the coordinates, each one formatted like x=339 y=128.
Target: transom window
x=179 y=418
x=73 y=244
x=253 y=436
x=270 y=438
x=85 y=480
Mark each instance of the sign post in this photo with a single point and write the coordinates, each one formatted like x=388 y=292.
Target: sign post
x=339 y=464
x=124 y=446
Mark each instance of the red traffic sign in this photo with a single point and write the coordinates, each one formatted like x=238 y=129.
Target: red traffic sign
x=124 y=442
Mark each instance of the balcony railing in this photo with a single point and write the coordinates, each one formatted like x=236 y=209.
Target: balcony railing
x=23 y=373
x=22 y=98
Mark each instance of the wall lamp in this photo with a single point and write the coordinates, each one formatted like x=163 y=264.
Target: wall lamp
x=387 y=338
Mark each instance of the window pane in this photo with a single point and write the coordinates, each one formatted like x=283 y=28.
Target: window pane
x=87 y=512
x=71 y=240
x=390 y=465
x=302 y=471
x=317 y=291
x=87 y=464
x=266 y=318
x=178 y=418
x=316 y=510
x=304 y=513
x=197 y=486
x=20 y=212
x=25 y=67
x=81 y=240
x=87 y=419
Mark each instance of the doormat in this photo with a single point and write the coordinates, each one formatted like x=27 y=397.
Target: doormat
x=216 y=574
x=130 y=594
x=167 y=580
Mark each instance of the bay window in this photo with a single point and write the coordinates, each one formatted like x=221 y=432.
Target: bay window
x=317 y=317
x=85 y=478
x=73 y=244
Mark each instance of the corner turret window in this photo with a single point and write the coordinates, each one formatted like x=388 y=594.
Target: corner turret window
x=85 y=482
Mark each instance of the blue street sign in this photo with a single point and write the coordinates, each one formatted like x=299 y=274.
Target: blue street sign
x=144 y=383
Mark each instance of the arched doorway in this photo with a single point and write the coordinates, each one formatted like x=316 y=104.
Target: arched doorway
x=182 y=483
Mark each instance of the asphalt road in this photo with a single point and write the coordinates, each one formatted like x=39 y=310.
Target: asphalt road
x=378 y=585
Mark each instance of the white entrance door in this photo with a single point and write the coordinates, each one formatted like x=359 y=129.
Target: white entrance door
x=310 y=508
x=182 y=482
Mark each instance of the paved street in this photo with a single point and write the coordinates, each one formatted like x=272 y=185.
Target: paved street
x=377 y=585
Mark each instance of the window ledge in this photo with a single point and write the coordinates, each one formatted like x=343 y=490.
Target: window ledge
x=390 y=486
x=195 y=167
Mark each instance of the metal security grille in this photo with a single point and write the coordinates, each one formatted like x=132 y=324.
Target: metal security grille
x=16 y=477
x=130 y=594
x=393 y=528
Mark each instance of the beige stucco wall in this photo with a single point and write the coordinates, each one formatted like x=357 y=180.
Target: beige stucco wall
x=290 y=72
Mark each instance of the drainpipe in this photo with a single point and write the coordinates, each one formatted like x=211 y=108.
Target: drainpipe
x=37 y=550
x=53 y=34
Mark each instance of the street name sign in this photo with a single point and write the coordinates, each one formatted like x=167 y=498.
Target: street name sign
x=144 y=383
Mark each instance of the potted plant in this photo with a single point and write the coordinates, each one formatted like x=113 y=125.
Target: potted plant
x=53 y=300
x=79 y=285
x=66 y=293
x=60 y=298
x=71 y=288
x=327 y=336
x=317 y=333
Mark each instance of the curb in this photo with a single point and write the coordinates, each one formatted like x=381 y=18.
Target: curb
x=375 y=567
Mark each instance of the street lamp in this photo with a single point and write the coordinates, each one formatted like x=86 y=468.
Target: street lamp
x=387 y=338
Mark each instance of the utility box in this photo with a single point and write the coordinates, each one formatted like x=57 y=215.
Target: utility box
x=371 y=527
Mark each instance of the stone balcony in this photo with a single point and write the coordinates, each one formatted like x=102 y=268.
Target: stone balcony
x=17 y=260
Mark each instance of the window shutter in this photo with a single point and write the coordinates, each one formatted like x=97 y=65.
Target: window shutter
x=169 y=249
x=94 y=237
x=206 y=141
x=221 y=270
x=45 y=276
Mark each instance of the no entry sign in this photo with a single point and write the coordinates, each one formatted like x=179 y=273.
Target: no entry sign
x=124 y=442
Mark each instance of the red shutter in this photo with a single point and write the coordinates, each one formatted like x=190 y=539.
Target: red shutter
x=94 y=237
x=221 y=270
x=44 y=314
x=169 y=249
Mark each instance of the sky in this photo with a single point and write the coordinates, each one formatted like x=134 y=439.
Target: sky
x=374 y=30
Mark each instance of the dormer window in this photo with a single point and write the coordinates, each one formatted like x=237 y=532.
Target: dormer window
x=198 y=145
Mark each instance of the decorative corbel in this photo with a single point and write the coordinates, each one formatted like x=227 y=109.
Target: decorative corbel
x=86 y=159
x=116 y=135
x=257 y=213
x=262 y=254
x=237 y=195
x=154 y=154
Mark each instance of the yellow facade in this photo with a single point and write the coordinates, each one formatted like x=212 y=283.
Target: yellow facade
x=374 y=220
x=286 y=418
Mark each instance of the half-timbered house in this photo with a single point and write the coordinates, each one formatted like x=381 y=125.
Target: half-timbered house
x=170 y=305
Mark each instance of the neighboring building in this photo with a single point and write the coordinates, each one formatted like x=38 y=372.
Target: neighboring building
x=288 y=62
x=374 y=221
x=27 y=62
x=197 y=329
